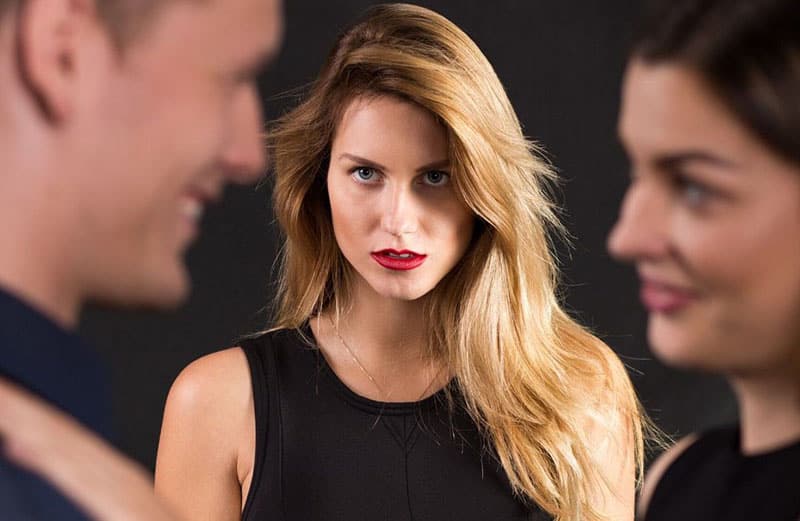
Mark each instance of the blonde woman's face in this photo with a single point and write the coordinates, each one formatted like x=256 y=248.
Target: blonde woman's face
x=396 y=216
x=712 y=222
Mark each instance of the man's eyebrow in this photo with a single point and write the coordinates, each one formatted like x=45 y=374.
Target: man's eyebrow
x=673 y=161
x=261 y=61
x=262 y=58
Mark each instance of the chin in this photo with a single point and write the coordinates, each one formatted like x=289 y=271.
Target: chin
x=405 y=292
x=676 y=347
x=407 y=296
x=170 y=294
x=163 y=293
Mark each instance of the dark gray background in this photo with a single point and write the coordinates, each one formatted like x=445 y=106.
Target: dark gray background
x=561 y=62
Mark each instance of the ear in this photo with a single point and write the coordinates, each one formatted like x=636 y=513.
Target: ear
x=49 y=34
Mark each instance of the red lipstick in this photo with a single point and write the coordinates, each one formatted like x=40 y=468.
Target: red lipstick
x=664 y=298
x=403 y=260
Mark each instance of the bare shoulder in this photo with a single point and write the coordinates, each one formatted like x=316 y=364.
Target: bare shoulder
x=207 y=428
x=211 y=399
x=218 y=379
x=659 y=467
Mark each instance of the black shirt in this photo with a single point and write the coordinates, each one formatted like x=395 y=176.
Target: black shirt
x=713 y=481
x=324 y=453
x=54 y=364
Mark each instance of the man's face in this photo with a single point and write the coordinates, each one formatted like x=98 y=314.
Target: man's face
x=163 y=126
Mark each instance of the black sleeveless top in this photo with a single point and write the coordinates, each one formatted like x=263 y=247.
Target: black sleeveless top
x=713 y=481
x=324 y=453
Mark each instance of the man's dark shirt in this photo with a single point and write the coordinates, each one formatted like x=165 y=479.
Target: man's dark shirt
x=54 y=364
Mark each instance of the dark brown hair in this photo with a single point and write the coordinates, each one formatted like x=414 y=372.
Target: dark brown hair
x=748 y=53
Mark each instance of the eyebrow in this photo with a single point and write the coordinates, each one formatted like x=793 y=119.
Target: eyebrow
x=260 y=62
x=677 y=160
x=442 y=163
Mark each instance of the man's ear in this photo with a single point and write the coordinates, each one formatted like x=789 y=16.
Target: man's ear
x=49 y=34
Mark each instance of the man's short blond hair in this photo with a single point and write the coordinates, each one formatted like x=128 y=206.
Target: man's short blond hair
x=124 y=18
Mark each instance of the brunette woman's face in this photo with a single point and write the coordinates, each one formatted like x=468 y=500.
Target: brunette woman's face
x=396 y=216
x=712 y=222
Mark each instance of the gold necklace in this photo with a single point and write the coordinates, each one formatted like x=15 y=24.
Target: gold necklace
x=356 y=360
x=363 y=369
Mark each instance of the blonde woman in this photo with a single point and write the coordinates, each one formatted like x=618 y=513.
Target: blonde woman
x=420 y=365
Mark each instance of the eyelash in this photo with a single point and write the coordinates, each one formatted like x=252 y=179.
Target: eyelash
x=354 y=172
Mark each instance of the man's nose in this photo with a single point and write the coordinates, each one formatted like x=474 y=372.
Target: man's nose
x=245 y=156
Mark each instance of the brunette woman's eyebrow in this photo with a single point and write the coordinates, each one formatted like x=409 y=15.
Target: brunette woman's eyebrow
x=675 y=161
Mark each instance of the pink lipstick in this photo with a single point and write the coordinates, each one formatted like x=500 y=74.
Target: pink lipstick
x=664 y=298
x=403 y=260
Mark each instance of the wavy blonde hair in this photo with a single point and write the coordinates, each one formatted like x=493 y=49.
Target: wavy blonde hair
x=539 y=385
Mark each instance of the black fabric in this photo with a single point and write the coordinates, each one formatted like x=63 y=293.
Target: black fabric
x=324 y=453
x=713 y=481
x=54 y=364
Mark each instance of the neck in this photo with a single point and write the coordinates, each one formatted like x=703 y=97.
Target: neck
x=38 y=234
x=36 y=254
x=380 y=327
x=769 y=411
x=379 y=347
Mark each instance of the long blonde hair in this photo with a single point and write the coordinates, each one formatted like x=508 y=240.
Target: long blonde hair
x=534 y=380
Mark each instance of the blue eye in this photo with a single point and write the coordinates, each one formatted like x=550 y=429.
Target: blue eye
x=436 y=178
x=693 y=193
x=364 y=174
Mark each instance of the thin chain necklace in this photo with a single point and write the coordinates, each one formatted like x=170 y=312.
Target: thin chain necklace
x=363 y=369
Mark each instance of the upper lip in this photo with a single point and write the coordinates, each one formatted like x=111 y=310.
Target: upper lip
x=205 y=195
x=663 y=283
x=398 y=252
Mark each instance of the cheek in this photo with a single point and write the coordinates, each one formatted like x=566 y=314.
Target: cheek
x=351 y=212
x=747 y=266
x=733 y=253
x=464 y=230
x=176 y=121
x=452 y=223
x=771 y=280
x=346 y=227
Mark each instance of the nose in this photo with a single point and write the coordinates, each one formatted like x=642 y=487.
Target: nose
x=400 y=211
x=245 y=154
x=642 y=228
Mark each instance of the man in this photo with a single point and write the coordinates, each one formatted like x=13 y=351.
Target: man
x=119 y=121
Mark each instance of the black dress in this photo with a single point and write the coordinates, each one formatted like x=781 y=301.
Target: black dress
x=713 y=481
x=324 y=453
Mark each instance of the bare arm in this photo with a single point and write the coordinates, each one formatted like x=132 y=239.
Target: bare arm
x=101 y=481
x=207 y=439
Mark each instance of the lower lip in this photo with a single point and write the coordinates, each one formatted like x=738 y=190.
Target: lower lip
x=661 y=299
x=189 y=231
x=399 y=264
